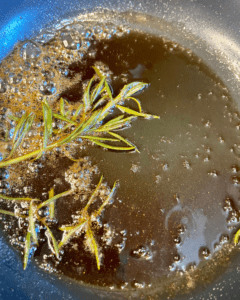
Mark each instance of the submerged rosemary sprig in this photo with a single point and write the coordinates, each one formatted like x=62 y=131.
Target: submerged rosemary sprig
x=87 y=122
x=83 y=224
x=32 y=217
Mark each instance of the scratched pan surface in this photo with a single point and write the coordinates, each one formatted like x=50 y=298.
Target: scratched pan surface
x=209 y=28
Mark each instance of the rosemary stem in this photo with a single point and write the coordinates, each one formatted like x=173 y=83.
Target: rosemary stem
x=26 y=156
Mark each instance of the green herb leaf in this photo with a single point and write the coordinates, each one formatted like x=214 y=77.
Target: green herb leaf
x=32 y=223
x=71 y=233
x=119 y=137
x=51 y=205
x=135 y=113
x=66 y=228
x=19 y=127
x=107 y=200
x=26 y=250
x=108 y=90
x=90 y=201
x=99 y=102
x=47 y=202
x=5 y=212
x=21 y=130
x=93 y=245
x=54 y=242
x=86 y=96
x=131 y=89
x=63 y=118
x=97 y=71
x=6 y=135
x=77 y=112
x=98 y=90
x=62 y=110
x=91 y=122
x=138 y=103
x=13 y=118
x=108 y=107
x=14 y=199
x=103 y=145
x=236 y=237
x=97 y=138
x=116 y=124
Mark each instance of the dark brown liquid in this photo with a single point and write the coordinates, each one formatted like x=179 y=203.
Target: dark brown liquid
x=168 y=211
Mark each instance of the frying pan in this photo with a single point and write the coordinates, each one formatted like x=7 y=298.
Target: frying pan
x=208 y=27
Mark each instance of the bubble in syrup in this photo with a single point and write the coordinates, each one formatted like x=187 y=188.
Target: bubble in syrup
x=216 y=246
x=64 y=71
x=234 y=169
x=221 y=140
x=26 y=66
x=187 y=164
x=165 y=166
x=213 y=173
x=228 y=205
x=3 y=175
x=233 y=217
x=46 y=59
x=236 y=149
x=235 y=180
x=191 y=267
x=158 y=179
x=238 y=126
x=208 y=124
x=137 y=284
x=176 y=258
x=208 y=149
x=15 y=79
x=30 y=50
x=45 y=36
x=135 y=168
x=206 y=158
x=177 y=240
x=205 y=253
x=123 y=285
x=224 y=239
x=181 y=228
x=85 y=33
x=141 y=252
x=3 y=86
x=70 y=41
x=48 y=74
x=47 y=88
x=97 y=30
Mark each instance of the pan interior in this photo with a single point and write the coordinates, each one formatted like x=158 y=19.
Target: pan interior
x=176 y=208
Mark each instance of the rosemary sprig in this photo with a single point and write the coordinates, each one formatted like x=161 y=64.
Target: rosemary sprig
x=84 y=224
x=87 y=122
x=33 y=216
